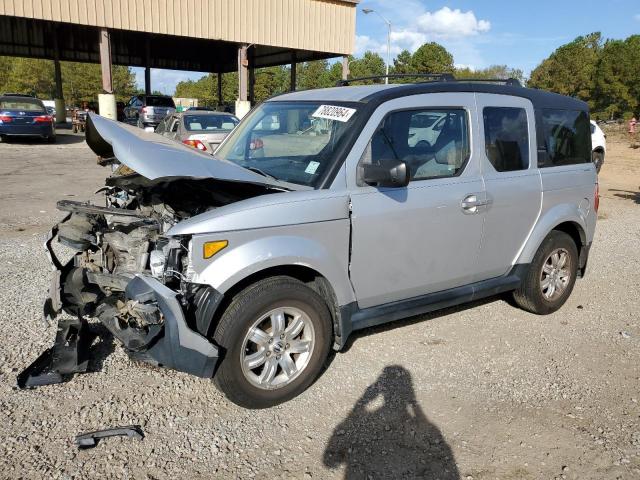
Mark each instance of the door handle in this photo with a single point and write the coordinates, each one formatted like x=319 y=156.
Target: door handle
x=471 y=203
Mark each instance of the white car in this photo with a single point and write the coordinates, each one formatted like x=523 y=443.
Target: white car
x=598 y=145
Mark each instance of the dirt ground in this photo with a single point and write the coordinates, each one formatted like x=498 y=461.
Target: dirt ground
x=484 y=391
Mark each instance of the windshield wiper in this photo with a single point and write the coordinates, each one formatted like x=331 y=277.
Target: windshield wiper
x=264 y=174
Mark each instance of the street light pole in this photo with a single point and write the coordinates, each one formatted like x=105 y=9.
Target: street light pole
x=367 y=11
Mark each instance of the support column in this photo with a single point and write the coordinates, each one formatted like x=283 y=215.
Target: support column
x=294 y=66
x=345 y=68
x=220 y=100
x=242 y=104
x=61 y=112
x=147 y=80
x=106 y=100
x=147 y=69
x=252 y=82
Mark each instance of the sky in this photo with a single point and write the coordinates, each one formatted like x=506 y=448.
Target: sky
x=516 y=33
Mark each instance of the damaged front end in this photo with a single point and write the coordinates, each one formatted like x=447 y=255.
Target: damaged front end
x=127 y=272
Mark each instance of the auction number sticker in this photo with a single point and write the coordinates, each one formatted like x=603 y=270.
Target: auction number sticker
x=333 y=112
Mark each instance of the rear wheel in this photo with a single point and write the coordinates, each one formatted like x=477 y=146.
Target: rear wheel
x=551 y=276
x=275 y=337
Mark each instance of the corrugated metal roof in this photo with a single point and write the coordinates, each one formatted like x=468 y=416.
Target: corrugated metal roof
x=314 y=25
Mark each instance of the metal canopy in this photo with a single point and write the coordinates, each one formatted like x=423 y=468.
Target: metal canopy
x=26 y=37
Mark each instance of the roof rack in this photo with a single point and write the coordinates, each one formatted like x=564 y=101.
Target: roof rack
x=433 y=77
x=429 y=77
x=511 y=82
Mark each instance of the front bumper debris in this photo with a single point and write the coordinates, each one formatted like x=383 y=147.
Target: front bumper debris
x=69 y=355
x=91 y=439
x=179 y=347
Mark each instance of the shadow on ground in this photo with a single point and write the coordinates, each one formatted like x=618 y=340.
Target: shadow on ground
x=387 y=435
x=627 y=195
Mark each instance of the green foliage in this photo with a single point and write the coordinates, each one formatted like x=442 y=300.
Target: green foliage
x=501 y=72
x=604 y=74
x=431 y=58
x=570 y=70
x=80 y=81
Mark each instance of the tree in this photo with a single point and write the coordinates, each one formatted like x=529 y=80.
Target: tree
x=402 y=63
x=80 y=81
x=431 y=58
x=502 y=72
x=617 y=83
x=570 y=70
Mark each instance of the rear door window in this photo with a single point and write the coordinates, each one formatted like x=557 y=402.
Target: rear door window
x=506 y=138
x=567 y=135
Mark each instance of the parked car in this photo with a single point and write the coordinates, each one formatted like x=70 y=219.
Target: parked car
x=316 y=218
x=25 y=116
x=148 y=110
x=203 y=130
x=598 y=145
x=202 y=109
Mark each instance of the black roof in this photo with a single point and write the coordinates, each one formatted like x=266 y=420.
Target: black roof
x=539 y=98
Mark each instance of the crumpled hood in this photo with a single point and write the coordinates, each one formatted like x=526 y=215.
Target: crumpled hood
x=154 y=156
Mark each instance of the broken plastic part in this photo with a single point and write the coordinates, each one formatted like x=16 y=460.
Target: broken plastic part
x=91 y=439
x=68 y=355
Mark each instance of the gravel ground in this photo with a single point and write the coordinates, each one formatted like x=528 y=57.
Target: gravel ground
x=484 y=391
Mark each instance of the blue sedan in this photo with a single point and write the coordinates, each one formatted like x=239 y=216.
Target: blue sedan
x=24 y=116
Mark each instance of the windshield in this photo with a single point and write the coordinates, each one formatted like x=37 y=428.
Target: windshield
x=291 y=141
x=24 y=104
x=160 y=102
x=209 y=123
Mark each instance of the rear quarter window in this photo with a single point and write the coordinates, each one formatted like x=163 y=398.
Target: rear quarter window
x=567 y=135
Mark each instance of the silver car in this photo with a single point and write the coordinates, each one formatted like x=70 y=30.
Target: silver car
x=203 y=130
x=317 y=217
x=148 y=110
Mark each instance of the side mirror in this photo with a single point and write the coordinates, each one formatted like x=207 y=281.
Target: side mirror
x=392 y=173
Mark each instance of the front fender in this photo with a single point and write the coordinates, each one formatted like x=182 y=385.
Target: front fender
x=549 y=220
x=322 y=246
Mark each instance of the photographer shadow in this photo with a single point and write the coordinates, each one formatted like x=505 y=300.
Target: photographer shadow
x=387 y=435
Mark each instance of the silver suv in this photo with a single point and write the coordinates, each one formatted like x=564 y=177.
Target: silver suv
x=148 y=110
x=319 y=216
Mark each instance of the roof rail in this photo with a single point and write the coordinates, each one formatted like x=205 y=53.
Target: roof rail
x=511 y=82
x=433 y=77
x=429 y=77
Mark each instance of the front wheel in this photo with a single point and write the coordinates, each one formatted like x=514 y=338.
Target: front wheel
x=551 y=275
x=275 y=336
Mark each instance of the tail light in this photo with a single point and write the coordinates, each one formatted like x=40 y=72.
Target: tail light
x=195 y=144
x=256 y=144
x=596 y=198
x=43 y=119
x=6 y=119
x=144 y=109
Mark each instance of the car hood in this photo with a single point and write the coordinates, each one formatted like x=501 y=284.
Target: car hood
x=154 y=156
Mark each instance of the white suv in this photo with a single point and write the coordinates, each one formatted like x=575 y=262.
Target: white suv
x=598 y=145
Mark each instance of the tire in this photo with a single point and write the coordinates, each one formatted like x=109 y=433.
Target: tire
x=598 y=160
x=139 y=123
x=249 y=312
x=51 y=139
x=532 y=295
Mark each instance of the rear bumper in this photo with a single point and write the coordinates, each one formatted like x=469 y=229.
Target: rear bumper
x=45 y=130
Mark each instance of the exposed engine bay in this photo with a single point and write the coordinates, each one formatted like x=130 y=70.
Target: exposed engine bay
x=127 y=237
